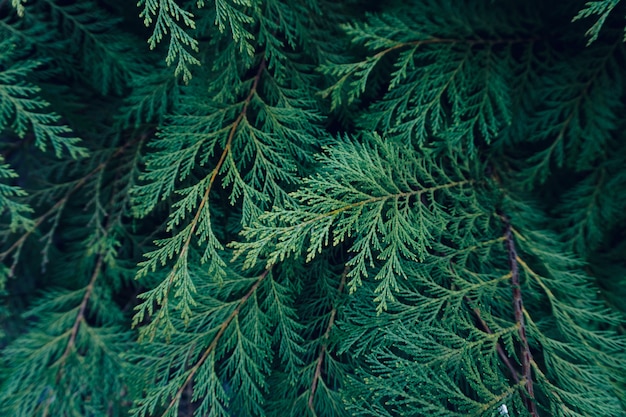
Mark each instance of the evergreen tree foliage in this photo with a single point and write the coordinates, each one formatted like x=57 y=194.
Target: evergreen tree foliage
x=312 y=208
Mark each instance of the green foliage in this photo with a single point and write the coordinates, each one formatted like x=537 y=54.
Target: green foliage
x=601 y=8
x=17 y=211
x=169 y=17
x=390 y=212
x=22 y=110
x=312 y=208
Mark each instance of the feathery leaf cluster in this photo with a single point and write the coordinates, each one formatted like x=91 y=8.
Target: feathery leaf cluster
x=312 y=208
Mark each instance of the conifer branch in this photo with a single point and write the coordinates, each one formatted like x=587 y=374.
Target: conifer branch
x=571 y=321
x=80 y=317
x=469 y=42
x=84 y=29
x=518 y=307
x=373 y=200
x=323 y=347
x=205 y=198
x=501 y=353
x=436 y=94
x=575 y=109
x=60 y=203
x=435 y=41
x=214 y=342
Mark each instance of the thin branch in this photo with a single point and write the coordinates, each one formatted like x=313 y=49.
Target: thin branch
x=383 y=198
x=518 y=307
x=215 y=172
x=80 y=317
x=442 y=41
x=501 y=353
x=59 y=204
x=322 y=352
x=579 y=100
x=470 y=42
x=214 y=342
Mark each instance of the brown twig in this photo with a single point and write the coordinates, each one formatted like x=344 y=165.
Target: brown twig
x=80 y=317
x=501 y=353
x=320 y=356
x=518 y=307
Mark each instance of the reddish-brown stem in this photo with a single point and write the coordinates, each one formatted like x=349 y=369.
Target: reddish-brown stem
x=80 y=317
x=501 y=353
x=322 y=352
x=518 y=307
x=215 y=341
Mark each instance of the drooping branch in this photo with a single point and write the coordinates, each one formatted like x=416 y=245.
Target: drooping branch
x=89 y=289
x=211 y=348
x=501 y=353
x=59 y=205
x=320 y=357
x=213 y=177
x=227 y=148
x=80 y=316
x=518 y=308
